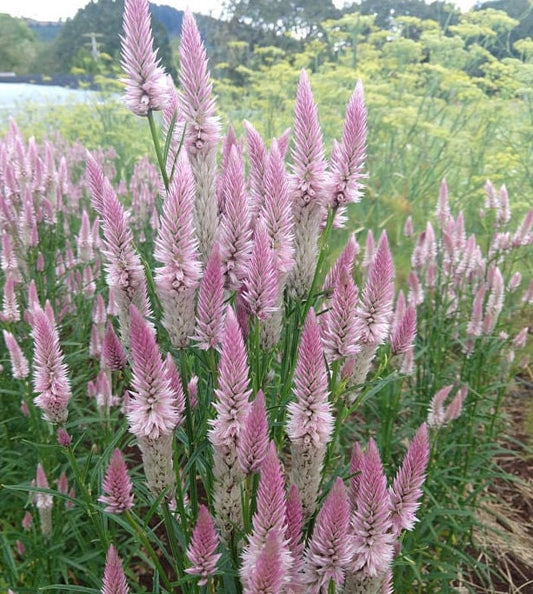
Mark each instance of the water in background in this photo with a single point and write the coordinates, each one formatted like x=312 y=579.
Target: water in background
x=13 y=96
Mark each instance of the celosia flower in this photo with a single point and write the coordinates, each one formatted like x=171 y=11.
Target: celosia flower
x=294 y=537
x=269 y=517
x=348 y=156
x=177 y=387
x=408 y=229
x=235 y=232
x=371 y=521
x=44 y=502
x=63 y=438
x=406 y=489
x=49 y=372
x=494 y=300
x=267 y=574
x=330 y=549
x=453 y=410
x=257 y=156
x=209 y=310
x=307 y=188
x=113 y=355
x=375 y=304
x=253 y=442
x=151 y=411
x=114 y=581
x=260 y=286
x=19 y=364
x=146 y=85
x=309 y=418
x=404 y=334
x=356 y=466
x=443 y=207
x=117 y=486
x=10 y=311
x=436 y=408
x=201 y=551
x=343 y=265
x=27 y=521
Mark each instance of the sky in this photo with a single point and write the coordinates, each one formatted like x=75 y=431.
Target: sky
x=54 y=10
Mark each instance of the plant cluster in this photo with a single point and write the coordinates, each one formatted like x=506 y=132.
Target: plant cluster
x=207 y=403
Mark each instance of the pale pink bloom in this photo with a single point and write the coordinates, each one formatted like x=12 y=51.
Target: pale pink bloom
x=475 y=324
x=177 y=387
x=343 y=265
x=11 y=310
x=514 y=282
x=270 y=516
x=151 y=411
x=50 y=379
x=491 y=198
x=8 y=257
x=519 y=341
x=19 y=364
x=43 y=502
x=370 y=250
x=202 y=126
x=253 y=442
x=192 y=391
x=294 y=537
x=62 y=483
x=202 y=548
x=113 y=355
x=453 y=410
x=27 y=521
x=425 y=250
x=443 y=207
x=356 y=466
x=230 y=141
x=408 y=229
x=260 y=285
x=494 y=301
x=172 y=113
x=232 y=393
x=210 y=306
x=307 y=188
x=114 y=581
x=276 y=210
x=406 y=489
x=117 y=486
x=268 y=573
x=63 y=438
x=348 y=156
x=523 y=234
x=39 y=264
x=374 y=310
x=146 y=85
x=24 y=409
x=416 y=292
x=257 y=157
x=371 y=521
x=330 y=548
x=84 y=240
x=436 y=413
x=235 y=234
x=95 y=343
x=503 y=212
x=340 y=330
x=404 y=334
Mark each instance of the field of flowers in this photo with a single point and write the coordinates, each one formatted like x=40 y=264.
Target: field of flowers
x=198 y=396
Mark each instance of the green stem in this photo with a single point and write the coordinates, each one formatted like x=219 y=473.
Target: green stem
x=148 y=546
x=157 y=147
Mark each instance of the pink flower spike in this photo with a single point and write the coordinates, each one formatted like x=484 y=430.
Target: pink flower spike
x=253 y=443
x=257 y=156
x=443 y=208
x=113 y=355
x=63 y=438
x=202 y=131
x=356 y=466
x=268 y=574
x=177 y=387
x=114 y=581
x=151 y=411
x=209 y=319
x=453 y=410
x=375 y=305
x=201 y=551
x=294 y=537
x=146 y=84
x=49 y=371
x=117 y=486
x=232 y=393
x=436 y=407
x=11 y=311
x=348 y=156
x=343 y=265
x=404 y=335
x=406 y=490
x=260 y=288
x=19 y=364
x=330 y=549
x=371 y=521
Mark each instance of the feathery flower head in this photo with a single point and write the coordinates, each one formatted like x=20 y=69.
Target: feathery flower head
x=202 y=131
x=267 y=575
x=42 y=500
x=19 y=364
x=260 y=286
x=49 y=371
x=63 y=438
x=177 y=387
x=406 y=489
x=201 y=551
x=113 y=355
x=443 y=208
x=371 y=520
x=114 y=581
x=257 y=156
x=232 y=393
x=348 y=156
x=117 y=486
x=151 y=411
x=10 y=311
x=404 y=333
x=210 y=307
x=375 y=305
x=436 y=407
x=309 y=417
x=330 y=549
x=253 y=443
x=146 y=84
x=453 y=410
x=343 y=265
